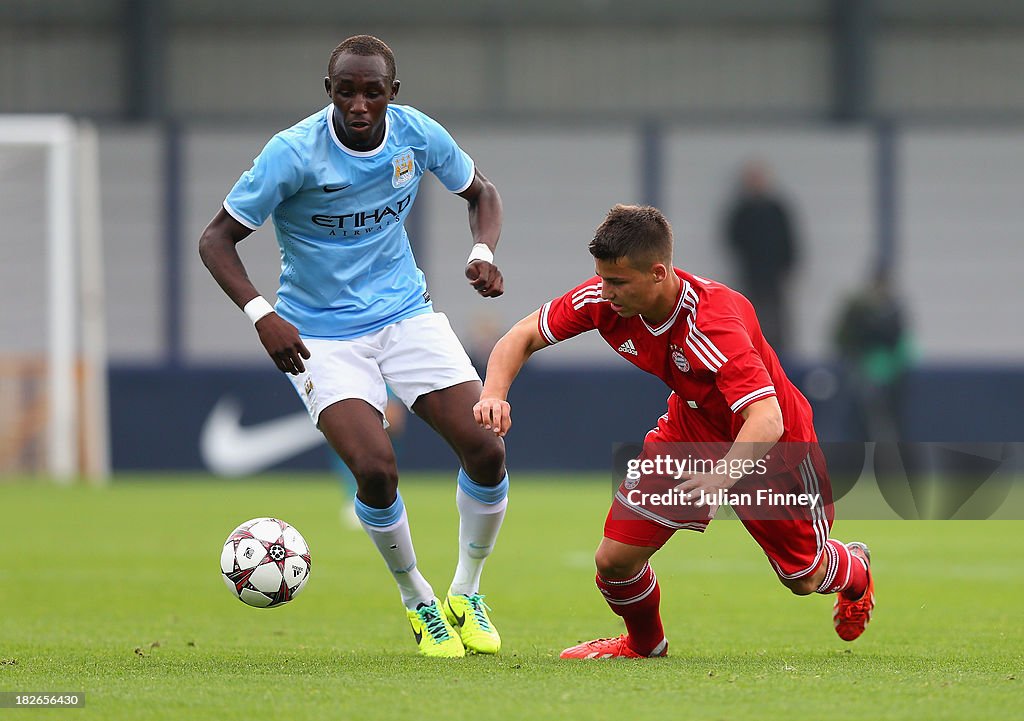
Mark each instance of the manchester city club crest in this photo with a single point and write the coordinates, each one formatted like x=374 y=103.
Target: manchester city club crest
x=405 y=168
x=680 y=359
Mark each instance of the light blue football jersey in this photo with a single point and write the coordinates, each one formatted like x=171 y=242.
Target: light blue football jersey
x=346 y=265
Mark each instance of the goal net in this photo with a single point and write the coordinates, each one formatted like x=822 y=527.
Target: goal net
x=53 y=396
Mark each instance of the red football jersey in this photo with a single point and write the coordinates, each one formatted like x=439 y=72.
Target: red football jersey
x=709 y=351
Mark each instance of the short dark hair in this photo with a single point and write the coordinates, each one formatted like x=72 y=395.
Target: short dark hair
x=366 y=45
x=639 y=233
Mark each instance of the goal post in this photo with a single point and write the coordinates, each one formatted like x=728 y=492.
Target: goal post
x=76 y=418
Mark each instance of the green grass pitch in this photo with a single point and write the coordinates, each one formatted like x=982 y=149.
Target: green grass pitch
x=115 y=592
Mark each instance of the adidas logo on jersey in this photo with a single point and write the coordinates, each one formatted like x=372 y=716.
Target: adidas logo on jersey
x=628 y=347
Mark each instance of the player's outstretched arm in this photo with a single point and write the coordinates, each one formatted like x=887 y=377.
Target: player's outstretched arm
x=508 y=356
x=762 y=427
x=485 y=216
x=217 y=249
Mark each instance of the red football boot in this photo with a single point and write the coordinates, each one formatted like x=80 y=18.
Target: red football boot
x=851 y=617
x=610 y=648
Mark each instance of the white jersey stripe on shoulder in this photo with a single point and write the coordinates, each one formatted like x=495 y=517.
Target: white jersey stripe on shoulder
x=545 y=329
x=588 y=298
x=586 y=301
x=700 y=355
x=587 y=289
x=693 y=340
x=753 y=395
x=708 y=342
x=712 y=348
x=707 y=348
x=591 y=293
x=692 y=299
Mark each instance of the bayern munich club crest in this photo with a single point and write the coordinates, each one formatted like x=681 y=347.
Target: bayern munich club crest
x=405 y=168
x=679 y=358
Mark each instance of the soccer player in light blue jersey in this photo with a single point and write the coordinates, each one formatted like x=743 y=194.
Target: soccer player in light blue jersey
x=353 y=314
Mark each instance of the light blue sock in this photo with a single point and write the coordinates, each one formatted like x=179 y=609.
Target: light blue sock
x=481 y=512
x=388 y=528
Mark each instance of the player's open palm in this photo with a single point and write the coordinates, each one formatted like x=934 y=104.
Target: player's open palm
x=485 y=278
x=283 y=344
x=494 y=414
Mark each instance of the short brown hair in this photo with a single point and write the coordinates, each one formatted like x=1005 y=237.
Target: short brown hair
x=366 y=45
x=639 y=233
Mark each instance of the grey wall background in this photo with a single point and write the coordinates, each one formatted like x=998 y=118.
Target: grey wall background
x=704 y=57
x=558 y=103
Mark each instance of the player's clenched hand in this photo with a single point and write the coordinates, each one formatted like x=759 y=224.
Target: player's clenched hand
x=283 y=344
x=485 y=278
x=494 y=415
x=698 y=486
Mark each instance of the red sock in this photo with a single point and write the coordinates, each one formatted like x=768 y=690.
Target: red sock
x=637 y=600
x=846 y=573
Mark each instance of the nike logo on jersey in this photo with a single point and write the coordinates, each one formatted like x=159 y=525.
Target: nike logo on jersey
x=335 y=188
x=230 y=449
x=628 y=348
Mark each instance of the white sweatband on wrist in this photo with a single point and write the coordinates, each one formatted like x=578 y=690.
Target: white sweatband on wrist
x=257 y=308
x=481 y=252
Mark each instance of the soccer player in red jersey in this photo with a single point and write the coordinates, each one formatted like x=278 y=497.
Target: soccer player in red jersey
x=728 y=388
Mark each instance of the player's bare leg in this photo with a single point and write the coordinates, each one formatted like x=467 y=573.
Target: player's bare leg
x=355 y=429
x=481 y=499
x=845 y=570
x=627 y=582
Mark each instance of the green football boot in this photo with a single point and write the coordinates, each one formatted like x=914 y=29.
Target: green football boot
x=434 y=634
x=468 y=614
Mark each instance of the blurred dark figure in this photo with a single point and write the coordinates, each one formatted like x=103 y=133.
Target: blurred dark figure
x=874 y=345
x=760 y=233
x=484 y=331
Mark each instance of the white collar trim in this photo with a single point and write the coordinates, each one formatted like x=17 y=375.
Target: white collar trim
x=358 y=153
x=683 y=287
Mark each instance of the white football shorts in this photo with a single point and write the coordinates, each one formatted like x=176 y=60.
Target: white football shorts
x=414 y=356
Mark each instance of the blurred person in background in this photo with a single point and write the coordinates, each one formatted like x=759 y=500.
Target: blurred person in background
x=875 y=349
x=761 y=237
x=353 y=315
x=484 y=331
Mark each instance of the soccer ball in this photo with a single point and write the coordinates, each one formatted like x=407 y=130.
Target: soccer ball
x=265 y=562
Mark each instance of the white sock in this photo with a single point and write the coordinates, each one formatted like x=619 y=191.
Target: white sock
x=395 y=544
x=478 y=529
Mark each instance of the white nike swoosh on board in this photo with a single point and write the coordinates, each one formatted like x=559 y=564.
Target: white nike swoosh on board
x=230 y=449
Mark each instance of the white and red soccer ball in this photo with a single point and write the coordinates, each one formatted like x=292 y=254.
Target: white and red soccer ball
x=265 y=562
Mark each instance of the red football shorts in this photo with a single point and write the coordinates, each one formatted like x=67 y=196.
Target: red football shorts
x=792 y=535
